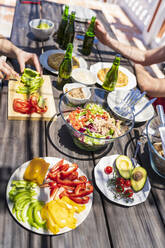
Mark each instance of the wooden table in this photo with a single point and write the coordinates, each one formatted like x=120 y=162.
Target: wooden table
x=108 y=224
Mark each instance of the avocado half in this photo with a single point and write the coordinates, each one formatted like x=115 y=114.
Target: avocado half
x=124 y=166
x=138 y=178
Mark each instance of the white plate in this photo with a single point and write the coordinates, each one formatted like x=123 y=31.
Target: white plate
x=101 y=179
x=44 y=60
x=131 y=77
x=115 y=98
x=77 y=101
x=43 y=195
x=82 y=14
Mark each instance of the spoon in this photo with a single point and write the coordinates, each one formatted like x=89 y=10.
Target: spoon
x=134 y=160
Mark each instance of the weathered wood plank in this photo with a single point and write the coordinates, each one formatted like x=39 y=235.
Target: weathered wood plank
x=62 y=146
x=136 y=226
x=20 y=140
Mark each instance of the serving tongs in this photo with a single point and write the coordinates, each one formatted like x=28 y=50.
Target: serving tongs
x=160 y=112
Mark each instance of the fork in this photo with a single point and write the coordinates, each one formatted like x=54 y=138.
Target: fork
x=129 y=102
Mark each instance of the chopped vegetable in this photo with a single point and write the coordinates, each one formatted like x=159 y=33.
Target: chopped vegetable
x=65 y=178
x=28 y=106
x=36 y=170
x=32 y=82
x=59 y=215
x=26 y=207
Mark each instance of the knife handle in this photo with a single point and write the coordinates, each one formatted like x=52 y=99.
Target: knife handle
x=160 y=112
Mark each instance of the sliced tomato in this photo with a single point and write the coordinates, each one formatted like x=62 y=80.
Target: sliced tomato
x=21 y=106
x=128 y=193
x=72 y=168
x=53 y=192
x=83 y=179
x=28 y=106
x=80 y=200
x=82 y=190
x=67 y=181
x=73 y=176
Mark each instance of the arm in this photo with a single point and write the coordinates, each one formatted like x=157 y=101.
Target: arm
x=8 y=49
x=153 y=86
x=149 y=57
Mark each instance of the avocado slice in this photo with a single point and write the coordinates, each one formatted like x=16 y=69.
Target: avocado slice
x=138 y=178
x=124 y=166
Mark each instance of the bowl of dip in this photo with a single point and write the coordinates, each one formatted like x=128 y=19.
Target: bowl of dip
x=77 y=93
x=41 y=28
x=83 y=76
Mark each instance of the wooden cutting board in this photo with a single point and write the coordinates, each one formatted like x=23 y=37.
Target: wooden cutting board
x=46 y=91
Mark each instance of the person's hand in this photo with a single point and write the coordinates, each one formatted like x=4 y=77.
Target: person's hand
x=28 y=58
x=101 y=33
x=6 y=71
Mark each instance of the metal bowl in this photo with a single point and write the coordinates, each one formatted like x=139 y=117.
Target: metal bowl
x=157 y=161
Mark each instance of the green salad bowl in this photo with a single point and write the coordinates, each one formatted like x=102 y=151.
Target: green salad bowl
x=101 y=127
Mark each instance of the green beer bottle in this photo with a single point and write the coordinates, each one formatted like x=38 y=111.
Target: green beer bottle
x=89 y=38
x=62 y=26
x=69 y=31
x=65 y=68
x=112 y=75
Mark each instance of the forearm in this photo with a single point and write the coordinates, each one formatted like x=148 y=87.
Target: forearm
x=7 y=48
x=133 y=53
x=154 y=87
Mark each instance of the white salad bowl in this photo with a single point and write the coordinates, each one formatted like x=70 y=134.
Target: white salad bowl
x=83 y=76
x=68 y=88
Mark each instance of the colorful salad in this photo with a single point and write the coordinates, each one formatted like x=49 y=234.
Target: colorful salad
x=94 y=121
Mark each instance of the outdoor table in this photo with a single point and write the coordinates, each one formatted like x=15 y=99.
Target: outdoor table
x=108 y=224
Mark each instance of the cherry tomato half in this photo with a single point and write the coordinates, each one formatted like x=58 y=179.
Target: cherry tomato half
x=127 y=183
x=108 y=170
x=128 y=193
x=119 y=188
x=120 y=181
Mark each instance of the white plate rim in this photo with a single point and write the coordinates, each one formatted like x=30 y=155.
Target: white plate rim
x=20 y=170
x=139 y=197
x=131 y=77
x=44 y=57
x=137 y=118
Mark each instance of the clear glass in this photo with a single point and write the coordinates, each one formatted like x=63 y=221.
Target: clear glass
x=153 y=135
x=98 y=96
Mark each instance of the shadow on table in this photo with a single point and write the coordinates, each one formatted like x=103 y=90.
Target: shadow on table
x=5 y=173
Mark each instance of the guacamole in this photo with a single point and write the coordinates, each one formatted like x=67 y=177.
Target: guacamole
x=43 y=25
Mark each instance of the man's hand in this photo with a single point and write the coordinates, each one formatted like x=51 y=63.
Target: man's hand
x=6 y=71
x=101 y=33
x=28 y=58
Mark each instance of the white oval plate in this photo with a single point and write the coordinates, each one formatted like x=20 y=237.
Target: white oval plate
x=131 y=77
x=44 y=60
x=115 y=98
x=43 y=195
x=82 y=14
x=101 y=179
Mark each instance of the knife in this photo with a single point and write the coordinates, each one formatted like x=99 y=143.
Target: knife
x=160 y=112
x=146 y=105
